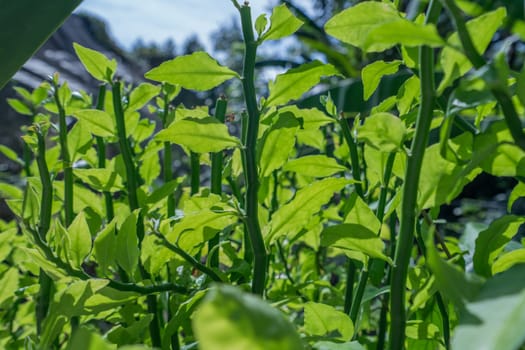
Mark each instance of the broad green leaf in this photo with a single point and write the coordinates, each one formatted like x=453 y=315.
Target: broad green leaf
x=441 y=180
x=495 y=318
x=328 y=345
x=79 y=240
x=231 y=319
x=10 y=154
x=408 y=95
x=98 y=122
x=131 y=332
x=311 y=118
x=163 y=191
x=19 y=106
x=277 y=143
x=404 y=32
x=103 y=180
x=127 y=252
x=104 y=247
x=79 y=141
x=491 y=242
x=141 y=95
x=291 y=217
x=353 y=25
x=282 y=24
x=98 y=65
x=354 y=237
x=508 y=260
x=517 y=192
x=324 y=320
x=314 y=166
x=497 y=152
x=150 y=167
x=481 y=29
x=297 y=81
x=197 y=71
x=361 y=214
x=199 y=227
x=20 y=40
x=372 y=74
x=383 y=131
x=9 y=283
x=452 y=282
x=84 y=339
x=199 y=135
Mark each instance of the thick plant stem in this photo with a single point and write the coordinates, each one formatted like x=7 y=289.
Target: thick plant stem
x=499 y=89
x=410 y=187
x=45 y=282
x=216 y=179
x=167 y=172
x=252 y=179
x=132 y=186
x=101 y=155
x=66 y=159
x=349 y=288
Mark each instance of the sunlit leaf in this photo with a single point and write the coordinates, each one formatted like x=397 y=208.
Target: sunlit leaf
x=282 y=23
x=100 y=179
x=98 y=65
x=79 y=240
x=104 y=247
x=296 y=81
x=199 y=135
x=231 y=319
x=141 y=95
x=197 y=71
x=491 y=242
x=127 y=252
x=507 y=260
x=383 y=131
x=325 y=320
x=98 y=122
x=314 y=166
x=372 y=74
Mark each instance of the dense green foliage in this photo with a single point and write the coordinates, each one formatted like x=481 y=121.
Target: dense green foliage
x=315 y=229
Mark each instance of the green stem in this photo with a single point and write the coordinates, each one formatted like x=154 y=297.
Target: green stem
x=216 y=179
x=354 y=155
x=410 y=187
x=45 y=282
x=444 y=315
x=66 y=159
x=349 y=288
x=195 y=167
x=252 y=183
x=498 y=90
x=167 y=172
x=27 y=160
x=101 y=155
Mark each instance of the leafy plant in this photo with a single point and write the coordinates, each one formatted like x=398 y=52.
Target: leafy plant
x=318 y=229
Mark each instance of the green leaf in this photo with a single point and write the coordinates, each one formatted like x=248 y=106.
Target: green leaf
x=314 y=166
x=517 y=192
x=383 y=131
x=127 y=254
x=508 y=260
x=491 y=242
x=497 y=152
x=354 y=237
x=324 y=320
x=452 y=282
x=19 y=106
x=199 y=227
x=20 y=40
x=328 y=345
x=230 y=319
x=163 y=191
x=98 y=65
x=494 y=319
x=79 y=240
x=353 y=25
x=372 y=74
x=282 y=24
x=408 y=95
x=84 y=339
x=199 y=135
x=141 y=95
x=9 y=283
x=104 y=247
x=296 y=81
x=277 y=143
x=98 y=122
x=291 y=217
x=311 y=118
x=360 y=213
x=10 y=154
x=481 y=29
x=403 y=32
x=260 y=24
x=102 y=180
x=197 y=71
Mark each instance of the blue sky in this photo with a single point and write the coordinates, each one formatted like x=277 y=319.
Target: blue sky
x=157 y=20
